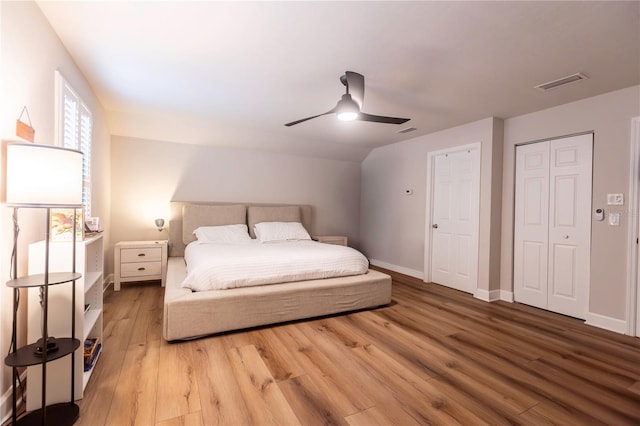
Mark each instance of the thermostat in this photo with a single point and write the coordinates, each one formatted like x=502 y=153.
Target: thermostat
x=615 y=199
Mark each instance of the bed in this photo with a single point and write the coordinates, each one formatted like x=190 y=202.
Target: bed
x=191 y=314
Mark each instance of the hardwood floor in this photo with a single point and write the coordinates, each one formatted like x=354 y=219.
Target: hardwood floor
x=434 y=356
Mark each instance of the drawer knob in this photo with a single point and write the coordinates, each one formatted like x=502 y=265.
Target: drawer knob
x=141 y=255
x=141 y=269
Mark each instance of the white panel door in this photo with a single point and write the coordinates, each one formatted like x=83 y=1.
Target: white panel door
x=530 y=260
x=552 y=238
x=570 y=170
x=454 y=248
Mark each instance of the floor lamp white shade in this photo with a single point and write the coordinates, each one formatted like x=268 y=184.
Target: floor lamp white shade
x=43 y=176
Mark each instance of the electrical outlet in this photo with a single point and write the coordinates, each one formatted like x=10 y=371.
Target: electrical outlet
x=614 y=219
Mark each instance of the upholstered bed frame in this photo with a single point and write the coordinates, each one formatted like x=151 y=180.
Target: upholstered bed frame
x=190 y=314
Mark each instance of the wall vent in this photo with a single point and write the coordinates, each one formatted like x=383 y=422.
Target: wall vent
x=561 y=81
x=407 y=130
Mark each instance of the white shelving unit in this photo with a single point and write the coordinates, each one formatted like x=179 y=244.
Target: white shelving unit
x=89 y=291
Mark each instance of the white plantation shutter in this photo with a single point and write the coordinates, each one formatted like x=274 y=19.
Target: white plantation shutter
x=86 y=124
x=75 y=124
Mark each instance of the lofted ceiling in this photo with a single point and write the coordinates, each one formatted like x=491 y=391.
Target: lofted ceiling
x=232 y=73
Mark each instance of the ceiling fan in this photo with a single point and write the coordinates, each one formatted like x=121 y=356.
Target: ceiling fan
x=349 y=107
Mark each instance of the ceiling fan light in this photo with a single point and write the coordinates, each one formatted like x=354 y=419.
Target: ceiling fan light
x=347 y=109
x=347 y=115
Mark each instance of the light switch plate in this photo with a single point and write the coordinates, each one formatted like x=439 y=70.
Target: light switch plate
x=615 y=199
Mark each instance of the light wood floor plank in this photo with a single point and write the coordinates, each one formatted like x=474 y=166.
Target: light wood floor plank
x=280 y=361
x=263 y=397
x=311 y=405
x=192 y=419
x=417 y=397
x=220 y=397
x=149 y=317
x=134 y=401
x=370 y=417
x=361 y=378
x=336 y=372
x=311 y=361
x=434 y=356
x=178 y=393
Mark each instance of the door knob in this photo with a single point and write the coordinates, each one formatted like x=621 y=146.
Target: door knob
x=434 y=226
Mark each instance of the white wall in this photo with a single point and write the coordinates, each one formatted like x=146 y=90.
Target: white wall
x=392 y=228
x=146 y=175
x=31 y=52
x=609 y=117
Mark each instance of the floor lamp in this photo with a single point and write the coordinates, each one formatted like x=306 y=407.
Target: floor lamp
x=43 y=176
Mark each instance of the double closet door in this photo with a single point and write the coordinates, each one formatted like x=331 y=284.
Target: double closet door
x=552 y=238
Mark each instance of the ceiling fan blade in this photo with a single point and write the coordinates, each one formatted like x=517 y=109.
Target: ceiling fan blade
x=293 y=123
x=355 y=86
x=381 y=119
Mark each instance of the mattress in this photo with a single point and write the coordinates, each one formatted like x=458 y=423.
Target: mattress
x=189 y=314
x=217 y=266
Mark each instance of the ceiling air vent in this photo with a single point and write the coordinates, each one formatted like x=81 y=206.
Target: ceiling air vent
x=407 y=130
x=561 y=82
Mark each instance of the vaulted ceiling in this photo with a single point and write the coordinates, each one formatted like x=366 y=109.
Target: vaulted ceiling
x=232 y=73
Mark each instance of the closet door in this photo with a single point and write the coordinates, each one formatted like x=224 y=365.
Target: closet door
x=570 y=170
x=553 y=224
x=530 y=261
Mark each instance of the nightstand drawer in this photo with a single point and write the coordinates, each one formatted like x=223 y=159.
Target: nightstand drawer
x=140 y=269
x=141 y=255
x=338 y=240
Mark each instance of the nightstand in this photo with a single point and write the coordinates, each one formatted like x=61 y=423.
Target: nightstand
x=338 y=240
x=140 y=261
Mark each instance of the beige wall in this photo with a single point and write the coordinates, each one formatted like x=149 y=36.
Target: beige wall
x=31 y=52
x=146 y=175
x=392 y=227
x=609 y=117
x=393 y=224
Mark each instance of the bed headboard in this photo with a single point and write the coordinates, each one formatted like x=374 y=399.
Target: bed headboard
x=186 y=216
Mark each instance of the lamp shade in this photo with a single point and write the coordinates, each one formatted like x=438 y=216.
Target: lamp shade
x=43 y=176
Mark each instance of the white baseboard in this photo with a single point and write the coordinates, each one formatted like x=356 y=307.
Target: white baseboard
x=608 y=323
x=506 y=296
x=400 y=269
x=487 y=295
x=6 y=405
x=107 y=282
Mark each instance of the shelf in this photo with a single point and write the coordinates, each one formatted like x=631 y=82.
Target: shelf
x=58 y=414
x=26 y=355
x=87 y=374
x=38 y=280
x=91 y=279
x=90 y=318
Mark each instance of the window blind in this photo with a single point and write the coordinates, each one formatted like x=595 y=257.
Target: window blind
x=75 y=124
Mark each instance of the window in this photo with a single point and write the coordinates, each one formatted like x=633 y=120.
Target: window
x=74 y=126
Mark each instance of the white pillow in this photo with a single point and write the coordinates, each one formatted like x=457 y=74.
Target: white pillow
x=224 y=234
x=280 y=231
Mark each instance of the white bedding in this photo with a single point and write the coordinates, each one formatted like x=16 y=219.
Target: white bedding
x=213 y=266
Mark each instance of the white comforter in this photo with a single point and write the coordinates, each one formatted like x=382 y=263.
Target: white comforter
x=213 y=266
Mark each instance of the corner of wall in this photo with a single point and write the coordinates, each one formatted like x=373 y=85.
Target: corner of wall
x=497 y=149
